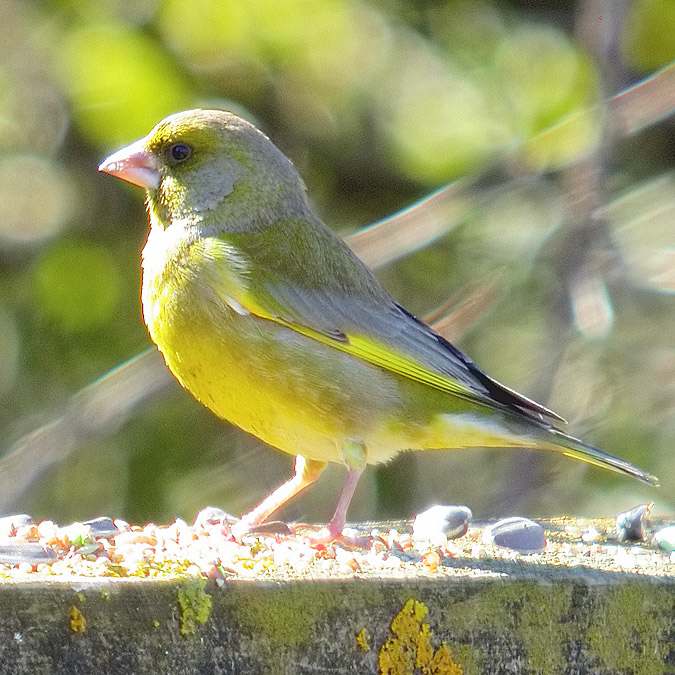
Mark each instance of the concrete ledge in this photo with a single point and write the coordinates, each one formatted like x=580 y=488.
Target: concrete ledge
x=501 y=617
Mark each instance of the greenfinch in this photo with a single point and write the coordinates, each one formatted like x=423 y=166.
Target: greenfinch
x=269 y=319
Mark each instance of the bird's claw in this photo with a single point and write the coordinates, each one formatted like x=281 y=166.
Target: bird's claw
x=329 y=535
x=348 y=538
x=243 y=527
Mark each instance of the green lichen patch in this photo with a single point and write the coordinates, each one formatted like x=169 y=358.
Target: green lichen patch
x=284 y=617
x=630 y=628
x=469 y=659
x=195 y=605
x=534 y=613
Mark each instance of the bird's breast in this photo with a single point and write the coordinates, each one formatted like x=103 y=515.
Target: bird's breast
x=293 y=392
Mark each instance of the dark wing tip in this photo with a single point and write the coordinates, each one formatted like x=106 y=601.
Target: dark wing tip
x=512 y=399
x=498 y=392
x=527 y=403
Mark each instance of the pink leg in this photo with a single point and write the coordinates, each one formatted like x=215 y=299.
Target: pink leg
x=306 y=472
x=333 y=529
x=337 y=522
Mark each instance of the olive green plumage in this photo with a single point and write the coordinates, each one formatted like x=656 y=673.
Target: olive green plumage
x=270 y=320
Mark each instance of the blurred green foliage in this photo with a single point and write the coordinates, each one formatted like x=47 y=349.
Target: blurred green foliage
x=378 y=103
x=67 y=302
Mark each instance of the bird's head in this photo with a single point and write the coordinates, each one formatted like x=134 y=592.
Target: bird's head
x=201 y=165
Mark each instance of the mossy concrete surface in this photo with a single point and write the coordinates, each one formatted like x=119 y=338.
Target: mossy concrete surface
x=513 y=620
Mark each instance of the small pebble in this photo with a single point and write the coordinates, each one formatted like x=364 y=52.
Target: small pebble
x=30 y=554
x=89 y=549
x=48 y=530
x=347 y=559
x=449 y=521
x=431 y=560
x=631 y=525
x=184 y=532
x=405 y=541
x=75 y=533
x=665 y=539
x=102 y=527
x=212 y=515
x=391 y=538
x=10 y=524
x=520 y=534
x=28 y=532
x=379 y=546
x=624 y=559
x=132 y=538
x=590 y=535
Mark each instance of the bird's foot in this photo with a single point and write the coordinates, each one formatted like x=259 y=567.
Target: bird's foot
x=243 y=527
x=331 y=535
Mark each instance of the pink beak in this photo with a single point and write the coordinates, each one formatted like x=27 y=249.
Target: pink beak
x=133 y=164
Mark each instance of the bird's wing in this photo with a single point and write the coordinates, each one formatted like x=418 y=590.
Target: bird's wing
x=338 y=302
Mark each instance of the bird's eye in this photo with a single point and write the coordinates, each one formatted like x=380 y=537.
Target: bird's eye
x=180 y=152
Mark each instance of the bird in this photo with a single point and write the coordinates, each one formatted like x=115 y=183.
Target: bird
x=270 y=320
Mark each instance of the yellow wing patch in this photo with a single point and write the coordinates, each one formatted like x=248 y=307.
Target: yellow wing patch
x=377 y=355
x=356 y=345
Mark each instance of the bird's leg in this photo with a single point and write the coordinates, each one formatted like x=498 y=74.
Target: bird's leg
x=306 y=472
x=337 y=522
x=355 y=456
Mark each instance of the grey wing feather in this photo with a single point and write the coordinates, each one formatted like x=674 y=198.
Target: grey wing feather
x=336 y=313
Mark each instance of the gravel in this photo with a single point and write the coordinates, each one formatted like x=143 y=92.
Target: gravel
x=111 y=548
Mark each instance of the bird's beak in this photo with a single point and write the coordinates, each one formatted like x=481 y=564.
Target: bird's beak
x=134 y=164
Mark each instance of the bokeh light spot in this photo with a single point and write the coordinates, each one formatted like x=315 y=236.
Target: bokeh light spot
x=77 y=285
x=649 y=36
x=513 y=224
x=548 y=82
x=207 y=33
x=642 y=222
x=120 y=82
x=436 y=119
x=37 y=198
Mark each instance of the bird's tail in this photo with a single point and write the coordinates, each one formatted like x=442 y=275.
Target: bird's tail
x=573 y=447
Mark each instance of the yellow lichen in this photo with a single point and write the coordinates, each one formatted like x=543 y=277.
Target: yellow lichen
x=411 y=648
x=443 y=662
x=363 y=640
x=76 y=620
x=425 y=650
